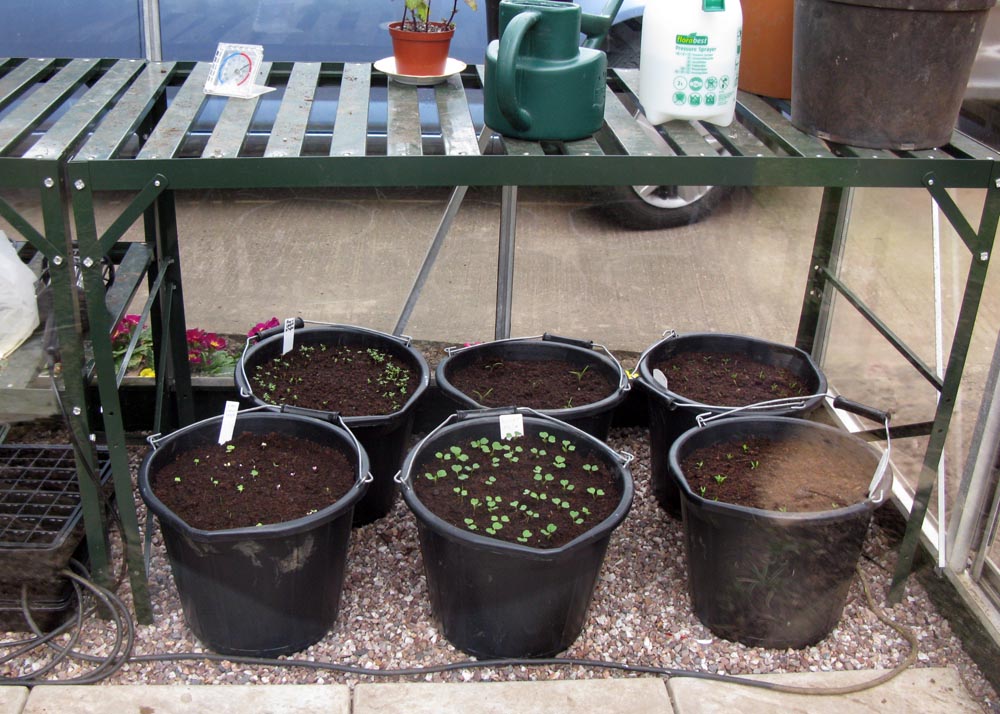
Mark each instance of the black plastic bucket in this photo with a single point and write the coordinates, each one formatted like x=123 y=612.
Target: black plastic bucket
x=383 y=436
x=887 y=74
x=767 y=578
x=594 y=418
x=671 y=414
x=498 y=599
x=262 y=591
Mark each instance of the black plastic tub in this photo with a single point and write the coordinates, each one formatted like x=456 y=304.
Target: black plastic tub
x=383 y=436
x=499 y=599
x=671 y=414
x=262 y=591
x=768 y=578
x=899 y=89
x=594 y=418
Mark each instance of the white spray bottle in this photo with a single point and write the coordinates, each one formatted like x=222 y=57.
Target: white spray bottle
x=689 y=61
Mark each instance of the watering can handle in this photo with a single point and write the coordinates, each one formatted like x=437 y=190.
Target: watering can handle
x=510 y=50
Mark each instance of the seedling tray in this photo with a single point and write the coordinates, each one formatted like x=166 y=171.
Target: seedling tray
x=40 y=512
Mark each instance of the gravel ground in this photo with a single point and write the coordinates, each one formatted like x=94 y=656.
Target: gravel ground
x=640 y=615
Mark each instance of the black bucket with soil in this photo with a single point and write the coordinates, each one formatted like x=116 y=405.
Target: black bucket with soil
x=886 y=74
x=791 y=385
x=764 y=576
x=264 y=589
x=383 y=429
x=513 y=598
x=571 y=380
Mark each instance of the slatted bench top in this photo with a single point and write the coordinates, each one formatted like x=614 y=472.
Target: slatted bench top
x=336 y=124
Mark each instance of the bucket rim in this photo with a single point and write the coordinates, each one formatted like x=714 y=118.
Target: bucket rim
x=167 y=516
x=426 y=518
x=749 y=513
x=917 y=5
x=676 y=399
x=243 y=385
x=616 y=396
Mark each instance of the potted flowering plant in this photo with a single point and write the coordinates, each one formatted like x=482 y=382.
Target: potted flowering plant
x=420 y=45
x=207 y=351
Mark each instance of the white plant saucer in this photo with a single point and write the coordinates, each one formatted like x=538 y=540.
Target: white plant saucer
x=388 y=65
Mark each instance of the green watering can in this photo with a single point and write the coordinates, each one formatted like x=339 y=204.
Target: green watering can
x=540 y=84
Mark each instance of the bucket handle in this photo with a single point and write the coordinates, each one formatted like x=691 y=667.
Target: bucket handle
x=875 y=415
x=623 y=383
x=667 y=334
x=154 y=439
x=247 y=392
x=331 y=417
x=623 y=456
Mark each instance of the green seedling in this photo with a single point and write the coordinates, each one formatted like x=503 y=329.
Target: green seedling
x=239 y=488
x=701 y=491
x=471 y=524
x=590 y=468
x=579 y=374
x=559 y=462
x=719 y=479
x=475 y=503
x=754 y=465
x=566 y=485
x=177 y=479
x=568 y=446
x=548 y=530
x=525 y=536
x=547 y=437
x=439 y=474
x=482 y=396
x=595 y=492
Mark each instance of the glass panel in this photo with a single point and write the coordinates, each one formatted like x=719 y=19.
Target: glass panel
x=314 y=30
x=101 y=28
x=888 y=263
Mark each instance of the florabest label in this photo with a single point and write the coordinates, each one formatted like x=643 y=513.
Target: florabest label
x=693 y=39
x=697 y=80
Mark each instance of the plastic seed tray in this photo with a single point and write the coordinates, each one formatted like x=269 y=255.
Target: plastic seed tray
x=41 y=528
x=40 y=513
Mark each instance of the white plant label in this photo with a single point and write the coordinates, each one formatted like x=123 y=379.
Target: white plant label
x=228 y=421
x=511 y=426
x=235 y=71
x=288 y=337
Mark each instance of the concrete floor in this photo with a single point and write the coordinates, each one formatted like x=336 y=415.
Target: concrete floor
x=932 y=691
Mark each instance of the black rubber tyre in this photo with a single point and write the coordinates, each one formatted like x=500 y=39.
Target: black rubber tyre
x=658 y=207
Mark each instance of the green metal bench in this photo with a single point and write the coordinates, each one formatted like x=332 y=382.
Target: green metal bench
x=137 y=142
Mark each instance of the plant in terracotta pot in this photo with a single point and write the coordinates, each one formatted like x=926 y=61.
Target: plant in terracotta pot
x=420 y=45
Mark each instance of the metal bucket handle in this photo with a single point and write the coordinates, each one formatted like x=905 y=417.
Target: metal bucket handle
x=462 y=415
x=875 y=415
x=623 y=383
x=247 y=392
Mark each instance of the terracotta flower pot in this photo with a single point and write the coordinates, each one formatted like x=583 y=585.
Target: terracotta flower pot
x=766 y=57
x=421 y=54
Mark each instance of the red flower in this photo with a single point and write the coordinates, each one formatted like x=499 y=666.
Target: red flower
x=261 y=326
x=194 y=357
x=213 y=341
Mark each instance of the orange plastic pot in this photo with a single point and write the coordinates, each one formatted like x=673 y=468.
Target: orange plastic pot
x=766 y=57
x=421 y=54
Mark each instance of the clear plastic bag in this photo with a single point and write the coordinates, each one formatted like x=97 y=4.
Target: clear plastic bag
x=18 y=309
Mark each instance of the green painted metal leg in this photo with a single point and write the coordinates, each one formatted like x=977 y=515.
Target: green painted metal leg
x=100 y=330
x=982 y=250
x=830 y=228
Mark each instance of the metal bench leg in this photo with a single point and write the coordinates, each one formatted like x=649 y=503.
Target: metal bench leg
x=505 y=262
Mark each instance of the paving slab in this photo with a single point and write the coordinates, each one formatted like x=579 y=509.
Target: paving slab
x=591 y=696
x=928 y=691
x=184 y=699
x=12 y=699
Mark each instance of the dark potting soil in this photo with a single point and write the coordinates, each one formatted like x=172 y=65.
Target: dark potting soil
x=539 y=491
x=793 y=475
x=725 y=379
x=539 y=384
x=255 y=479
x=351 y=380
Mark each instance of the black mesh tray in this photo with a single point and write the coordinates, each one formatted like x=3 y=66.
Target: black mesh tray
x=40 y=511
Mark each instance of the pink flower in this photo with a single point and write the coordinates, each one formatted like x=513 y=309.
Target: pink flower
x=194 y=357
x=261 y=326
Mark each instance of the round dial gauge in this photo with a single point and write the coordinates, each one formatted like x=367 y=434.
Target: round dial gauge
x=235 y=69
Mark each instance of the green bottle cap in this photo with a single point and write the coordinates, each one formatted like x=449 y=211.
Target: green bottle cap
x=713 y=5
